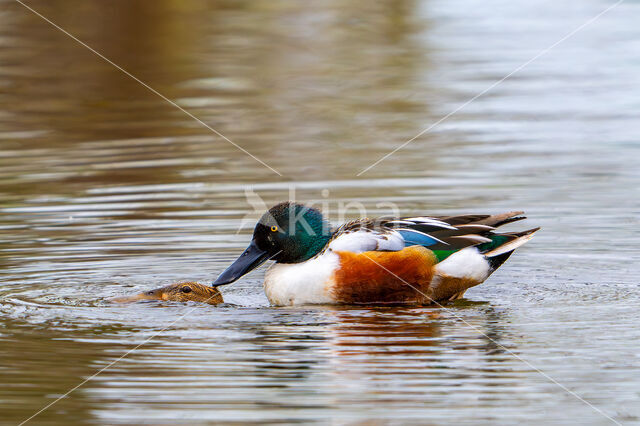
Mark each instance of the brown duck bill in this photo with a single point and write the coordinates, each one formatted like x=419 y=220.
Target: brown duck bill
x=147 y=295
x=249 y=260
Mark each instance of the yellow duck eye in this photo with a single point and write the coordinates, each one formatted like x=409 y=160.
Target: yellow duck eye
x=274 y=228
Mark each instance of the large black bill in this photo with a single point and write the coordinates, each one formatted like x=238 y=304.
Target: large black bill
x=250 y=259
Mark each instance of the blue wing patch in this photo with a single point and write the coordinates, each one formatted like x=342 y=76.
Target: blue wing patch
x=412 y=238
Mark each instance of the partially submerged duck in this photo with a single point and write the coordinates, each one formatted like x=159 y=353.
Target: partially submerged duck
x=421 y=260
x=178 y=292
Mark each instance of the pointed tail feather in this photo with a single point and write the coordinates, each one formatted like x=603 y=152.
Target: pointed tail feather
x=521 y=238
x=496 y=261
x=498 y=255
x=497 y=220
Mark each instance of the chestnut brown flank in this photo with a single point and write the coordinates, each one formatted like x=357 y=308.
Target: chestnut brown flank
x=361 y=279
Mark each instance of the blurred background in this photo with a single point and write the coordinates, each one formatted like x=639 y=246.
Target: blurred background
x=106 y=189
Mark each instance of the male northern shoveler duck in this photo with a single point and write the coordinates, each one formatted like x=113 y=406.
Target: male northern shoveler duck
x=417 y=260
x=178 y=292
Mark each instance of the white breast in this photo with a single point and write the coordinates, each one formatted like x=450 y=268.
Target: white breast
x=303 y=283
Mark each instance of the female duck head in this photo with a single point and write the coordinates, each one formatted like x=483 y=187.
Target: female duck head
x=179 y=292
x=287 y=233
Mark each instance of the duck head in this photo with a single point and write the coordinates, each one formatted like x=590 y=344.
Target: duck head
x=287 y=233
x=179 y=292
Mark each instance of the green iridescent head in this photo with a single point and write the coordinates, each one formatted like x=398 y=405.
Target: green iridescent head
x=292 y=232
x=288 y=233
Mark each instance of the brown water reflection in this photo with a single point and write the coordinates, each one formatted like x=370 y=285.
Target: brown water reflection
x=108 y=190
x=41 y=364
